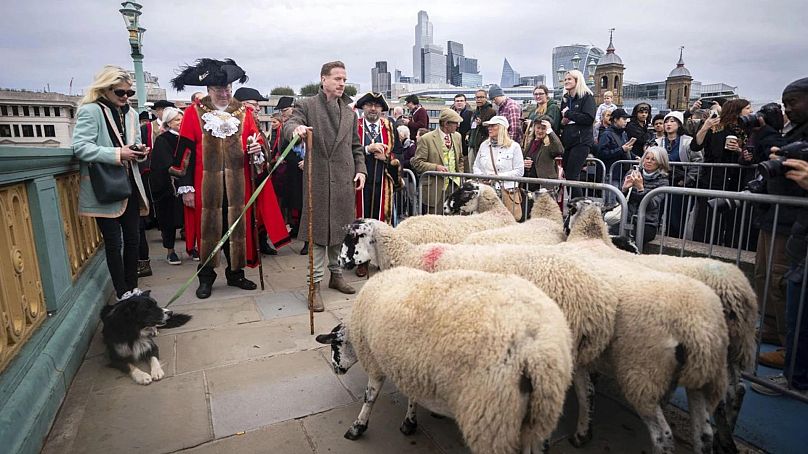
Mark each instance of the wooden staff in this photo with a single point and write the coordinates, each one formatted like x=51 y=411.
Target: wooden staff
x=310 y=236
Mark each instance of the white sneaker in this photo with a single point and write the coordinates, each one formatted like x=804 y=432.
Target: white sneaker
x=125 y=296
x=779 y=380
x=136 y=291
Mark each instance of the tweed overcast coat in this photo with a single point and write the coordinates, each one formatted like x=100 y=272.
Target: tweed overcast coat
x=337 y=158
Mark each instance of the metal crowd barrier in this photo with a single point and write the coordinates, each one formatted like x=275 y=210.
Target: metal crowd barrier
x=404 y=200
x=768 y=269
x=706 y=174
x=530 y=184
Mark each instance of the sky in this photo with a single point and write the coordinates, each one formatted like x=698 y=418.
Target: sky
x=758 y=46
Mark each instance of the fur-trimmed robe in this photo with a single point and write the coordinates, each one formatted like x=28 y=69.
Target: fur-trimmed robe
x=383 y=177
x=205 y=162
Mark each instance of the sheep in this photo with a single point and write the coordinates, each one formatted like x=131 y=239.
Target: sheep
x=738 y=298
x=493 y=353
x=588 y=303
x=685 y=343
x=432 y=228
x=545 y=226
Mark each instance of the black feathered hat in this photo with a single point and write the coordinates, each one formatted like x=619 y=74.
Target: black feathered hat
x=376 y=98
x=209 y=72
x=145 y=115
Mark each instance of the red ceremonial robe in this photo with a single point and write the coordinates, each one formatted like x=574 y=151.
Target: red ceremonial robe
x=190 y=148
x=378 y=180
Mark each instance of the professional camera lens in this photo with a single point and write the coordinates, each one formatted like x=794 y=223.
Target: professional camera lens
x=771 y=169
x=723 y=205
x=751 y=120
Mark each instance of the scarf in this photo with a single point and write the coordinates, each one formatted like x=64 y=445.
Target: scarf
x=650 y=176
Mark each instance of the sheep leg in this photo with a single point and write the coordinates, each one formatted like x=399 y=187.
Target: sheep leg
x=371 y=393
x=539 y=447
x=410 y=423
x=700 y=422
x=726 y=414
x=585 y=392
x=660 y=431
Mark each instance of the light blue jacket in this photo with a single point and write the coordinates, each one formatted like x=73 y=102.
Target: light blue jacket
x=92 y=143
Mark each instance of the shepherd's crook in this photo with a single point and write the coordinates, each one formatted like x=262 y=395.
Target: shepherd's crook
x=309 y=158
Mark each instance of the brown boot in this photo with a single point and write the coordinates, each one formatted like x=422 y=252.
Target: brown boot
x=317 y=304
x=362 y=270
x=775 y=359
x=337 y=282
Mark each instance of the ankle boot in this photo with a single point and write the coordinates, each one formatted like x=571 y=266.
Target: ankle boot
x=317 y=304
x=337 y=282
x=144 y=268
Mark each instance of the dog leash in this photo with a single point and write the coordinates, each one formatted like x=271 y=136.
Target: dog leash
x=232 y=227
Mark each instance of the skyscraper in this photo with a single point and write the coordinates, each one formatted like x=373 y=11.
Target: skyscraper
x=564 y=56
x=461 y=70
x=423 y=37
x=433 y=65
x=380 y=79
x=509 y=76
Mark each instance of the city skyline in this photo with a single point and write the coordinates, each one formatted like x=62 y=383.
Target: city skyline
x=282 y=52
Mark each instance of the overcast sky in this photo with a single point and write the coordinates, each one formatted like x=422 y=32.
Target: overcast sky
x=758 y=46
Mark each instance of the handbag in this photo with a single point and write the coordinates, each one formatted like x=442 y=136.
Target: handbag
x=511 y=198
x=110 y=182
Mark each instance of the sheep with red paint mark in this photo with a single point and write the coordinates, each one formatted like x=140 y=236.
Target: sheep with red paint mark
x=493 y=353
x=589 y=303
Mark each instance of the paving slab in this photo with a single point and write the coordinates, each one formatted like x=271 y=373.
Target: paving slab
x=204 y=349
x=217 y=314
x=104 y=377
x=162 y=417
x=326 y=430
x=282 y=438
x=253 y=394
x=284 y=303
x=356 y=380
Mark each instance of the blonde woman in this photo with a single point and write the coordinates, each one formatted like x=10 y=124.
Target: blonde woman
x=501 y=156
x=577 y=118
x=107 y=132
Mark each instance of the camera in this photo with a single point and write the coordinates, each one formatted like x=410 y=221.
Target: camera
x=773 y=171
x=138 y=148
x=771 y=114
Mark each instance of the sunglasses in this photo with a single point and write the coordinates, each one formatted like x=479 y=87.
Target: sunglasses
x=121 y=92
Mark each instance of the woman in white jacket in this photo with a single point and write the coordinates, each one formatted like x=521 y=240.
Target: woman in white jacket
x=499 y=155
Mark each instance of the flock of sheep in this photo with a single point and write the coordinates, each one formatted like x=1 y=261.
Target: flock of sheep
x=489 y=322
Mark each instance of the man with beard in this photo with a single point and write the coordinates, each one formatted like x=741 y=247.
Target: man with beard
x=377 y=138
x=219 y=141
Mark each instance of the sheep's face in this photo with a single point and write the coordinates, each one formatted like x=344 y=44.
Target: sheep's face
x=575 y=210
x=552 y=192
x=342 y=352
x=463 y=201
x=357 y=247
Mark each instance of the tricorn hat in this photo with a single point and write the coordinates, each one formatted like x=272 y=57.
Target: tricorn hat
x=284 y=102
x=162 y=104
x=376 y=98
x=248 y=94
x=209 y=72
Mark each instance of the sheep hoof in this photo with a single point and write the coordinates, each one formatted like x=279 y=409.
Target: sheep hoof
x=579 y=440
x=356 y=431
x=408 y=427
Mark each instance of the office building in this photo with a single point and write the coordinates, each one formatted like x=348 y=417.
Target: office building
x=380 y=79
x=461 y=71
x=433 y=64
x=35 y=119
x=532 y=81
x=575 y=56
x=510 y=78
x=423 y=37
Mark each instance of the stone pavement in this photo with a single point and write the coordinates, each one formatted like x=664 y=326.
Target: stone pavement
x=245 y=376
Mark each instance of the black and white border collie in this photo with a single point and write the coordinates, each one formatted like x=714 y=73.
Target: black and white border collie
x=129 y=327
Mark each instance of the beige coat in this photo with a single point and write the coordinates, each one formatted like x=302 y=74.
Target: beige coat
x=337 y=158
x=428 y=156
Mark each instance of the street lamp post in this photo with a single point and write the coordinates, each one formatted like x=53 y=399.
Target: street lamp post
x=560 y=73
x=131 y=13
x=591 y=67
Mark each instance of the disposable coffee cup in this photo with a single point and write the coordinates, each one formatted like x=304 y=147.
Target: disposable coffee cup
x=729 y=140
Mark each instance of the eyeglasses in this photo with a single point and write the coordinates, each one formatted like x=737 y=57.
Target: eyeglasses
x=121 y=92
x=221 y=89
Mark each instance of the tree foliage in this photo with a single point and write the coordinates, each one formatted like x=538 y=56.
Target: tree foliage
x=310 y=89
x=282 y=91
x=350 y=90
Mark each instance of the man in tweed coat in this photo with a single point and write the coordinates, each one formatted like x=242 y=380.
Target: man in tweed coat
x=338 y=171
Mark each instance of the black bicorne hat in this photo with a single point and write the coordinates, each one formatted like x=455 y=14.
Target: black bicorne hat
x=284 y=102
x=248 y=94
x=370 y=96
x=162 y=104
x=209 y=72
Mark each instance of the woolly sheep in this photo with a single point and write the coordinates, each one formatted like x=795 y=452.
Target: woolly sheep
x=493 y=353
x=739 y=301
x=683 y=342
x=588 y=302
x=490 y=213
x=545 y=226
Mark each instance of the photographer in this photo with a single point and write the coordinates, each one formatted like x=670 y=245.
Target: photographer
x=786 y=173
x=651 y=174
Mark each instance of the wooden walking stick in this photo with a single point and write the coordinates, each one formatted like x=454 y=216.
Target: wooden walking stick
x=310 y=236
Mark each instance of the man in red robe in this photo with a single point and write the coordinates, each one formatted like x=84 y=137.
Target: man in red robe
x=219 y=142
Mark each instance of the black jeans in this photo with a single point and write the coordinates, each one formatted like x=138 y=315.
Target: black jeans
x=165 y=208
x=574 y=160
x=122 y=269
x=207 y=273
